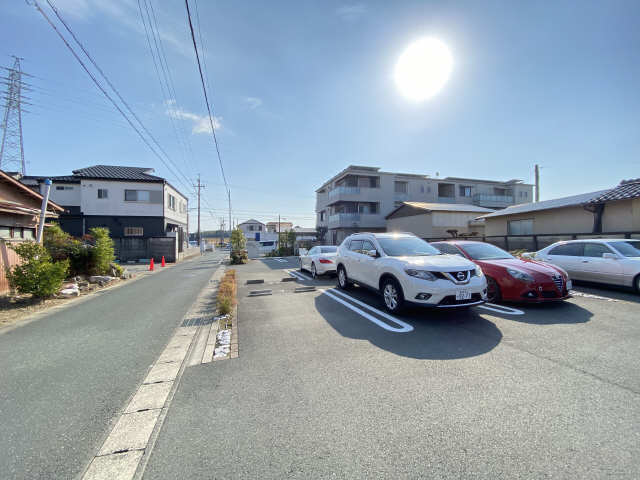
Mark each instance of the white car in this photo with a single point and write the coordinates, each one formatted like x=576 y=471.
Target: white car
x=405 y=269
x=614 y=261
x=319 y=260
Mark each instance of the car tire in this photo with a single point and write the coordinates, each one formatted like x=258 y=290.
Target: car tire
x=343 y=279
x=392 y=295
x=636 y=283
x=493 y=291
x=301 y=269
x=314 y=273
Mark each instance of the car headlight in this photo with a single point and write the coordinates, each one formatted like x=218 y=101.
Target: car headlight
x=520 y=275
x=562 y=271
x=422 y=274
x=479 y=272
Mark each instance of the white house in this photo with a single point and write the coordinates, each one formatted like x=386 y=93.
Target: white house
x=129 y=201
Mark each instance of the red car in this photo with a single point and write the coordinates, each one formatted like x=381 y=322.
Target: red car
x=510 y=278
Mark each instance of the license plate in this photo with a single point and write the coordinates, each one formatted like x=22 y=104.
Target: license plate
x=463 y=295
x=569 y=285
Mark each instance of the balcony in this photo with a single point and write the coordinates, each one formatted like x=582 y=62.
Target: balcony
x=446 y=199
x=492 y=201
x=353 y=194
x=356 y=220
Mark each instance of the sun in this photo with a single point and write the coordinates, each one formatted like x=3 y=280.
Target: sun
x=423 y=69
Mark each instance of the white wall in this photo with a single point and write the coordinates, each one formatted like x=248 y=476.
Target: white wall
x=115 y=203
x=67 y=198
x=177 y=215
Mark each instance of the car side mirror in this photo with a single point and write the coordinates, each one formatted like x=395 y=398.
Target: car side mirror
x=371 y=253
x=609 y=256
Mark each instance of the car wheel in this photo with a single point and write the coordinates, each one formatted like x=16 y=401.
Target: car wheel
x=392 y=296
x=314 y=273
x=636 y=283
x=343 y=280
x=493 y=291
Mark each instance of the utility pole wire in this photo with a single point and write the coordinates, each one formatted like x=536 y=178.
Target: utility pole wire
x=204 y=90
x=93 y=62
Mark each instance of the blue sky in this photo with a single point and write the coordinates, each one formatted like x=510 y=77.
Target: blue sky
x=303 y=89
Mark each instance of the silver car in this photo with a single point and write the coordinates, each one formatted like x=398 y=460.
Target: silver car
x=614 y=261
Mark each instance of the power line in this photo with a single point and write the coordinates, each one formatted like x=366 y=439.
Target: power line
x=103 y=90
x=204 y=90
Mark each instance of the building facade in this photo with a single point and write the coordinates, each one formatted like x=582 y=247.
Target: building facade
x=20 y=209
x=360 y=197
x=129 y=201
x=437 y=220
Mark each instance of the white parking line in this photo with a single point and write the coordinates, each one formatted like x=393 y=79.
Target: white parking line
x=404 y=327
x=501 y=309
x=299 y=275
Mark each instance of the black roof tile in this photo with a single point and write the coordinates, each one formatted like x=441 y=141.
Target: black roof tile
x=626 y=190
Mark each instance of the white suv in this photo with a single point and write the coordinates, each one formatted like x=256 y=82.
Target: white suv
x=406 y=269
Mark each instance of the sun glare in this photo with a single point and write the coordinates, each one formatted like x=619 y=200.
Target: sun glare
x=423 y=69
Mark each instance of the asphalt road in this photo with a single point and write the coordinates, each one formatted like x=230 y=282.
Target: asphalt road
x=64 y=377
x=321 y=391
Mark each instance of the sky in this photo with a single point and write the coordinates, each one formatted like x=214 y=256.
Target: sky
x=302 y=89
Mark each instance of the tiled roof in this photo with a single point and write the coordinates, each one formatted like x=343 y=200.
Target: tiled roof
x=547 y=204
x=114 y=172
x=626 y=190
x=442 y=207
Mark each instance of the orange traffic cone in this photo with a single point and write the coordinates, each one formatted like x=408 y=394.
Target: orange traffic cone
x=151 y=265
x=163 y=264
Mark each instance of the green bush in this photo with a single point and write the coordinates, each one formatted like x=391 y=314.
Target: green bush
x=36 y=274
x=238 y=242
x=239 y=257
x=62 y=246
x=102 y=254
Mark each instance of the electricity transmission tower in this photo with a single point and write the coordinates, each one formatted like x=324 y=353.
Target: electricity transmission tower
x=11 y=147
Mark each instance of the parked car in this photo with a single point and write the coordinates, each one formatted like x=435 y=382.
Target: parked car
x=614 y=261
x=319 y=260
x=405 y=269
x=510 y=278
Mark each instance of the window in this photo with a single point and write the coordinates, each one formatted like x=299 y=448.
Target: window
x=401 y=187
x=355 y=246
x=171 y=202
x=28 y=234
x=403 y=246
x=322 y=216
x=628 y=248
x=5 y=232
x=447 y=248
x=328 y=249
x=568 y=249
x=421 y=188
x=251 y=228
x=103 y=193
x=366 y=246
x=137 y=196
x=64 y=187
x=520 y=227
x=464 y=191
x=486 y=251
x=133 y=231
x=313 y=251
x=595 y=250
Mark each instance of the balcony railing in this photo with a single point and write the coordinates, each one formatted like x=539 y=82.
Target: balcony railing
x=344 y=191
x=495 y=200
x=358 y=220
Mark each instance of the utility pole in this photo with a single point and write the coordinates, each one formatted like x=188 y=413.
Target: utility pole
x=11 y=146
x=230 y=223
x=278 y=231
x=199 y=186
x=537 y=175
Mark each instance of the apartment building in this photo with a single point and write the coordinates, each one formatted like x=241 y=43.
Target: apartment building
x=360 y=197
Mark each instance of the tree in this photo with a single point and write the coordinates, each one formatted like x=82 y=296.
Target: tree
x=103 y=252
x=322 y=232
x=36 y=274
x=238 y=242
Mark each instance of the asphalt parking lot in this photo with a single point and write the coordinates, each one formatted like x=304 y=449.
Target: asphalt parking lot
x=328 y=385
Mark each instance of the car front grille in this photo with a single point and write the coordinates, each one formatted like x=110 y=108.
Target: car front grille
x=557 y=279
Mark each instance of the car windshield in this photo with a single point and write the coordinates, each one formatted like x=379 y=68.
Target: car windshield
x=328 y=249
x=406 y=246
x=485 y=251
x=629 y=248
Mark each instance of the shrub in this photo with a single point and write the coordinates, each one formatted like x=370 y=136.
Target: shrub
x=36 y=274
x=239 y=257
x=227 y=292
x=62 y=246
x=238 y=242
x=102 y=253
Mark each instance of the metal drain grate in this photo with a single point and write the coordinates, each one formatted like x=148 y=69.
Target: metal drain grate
x=197 y=321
